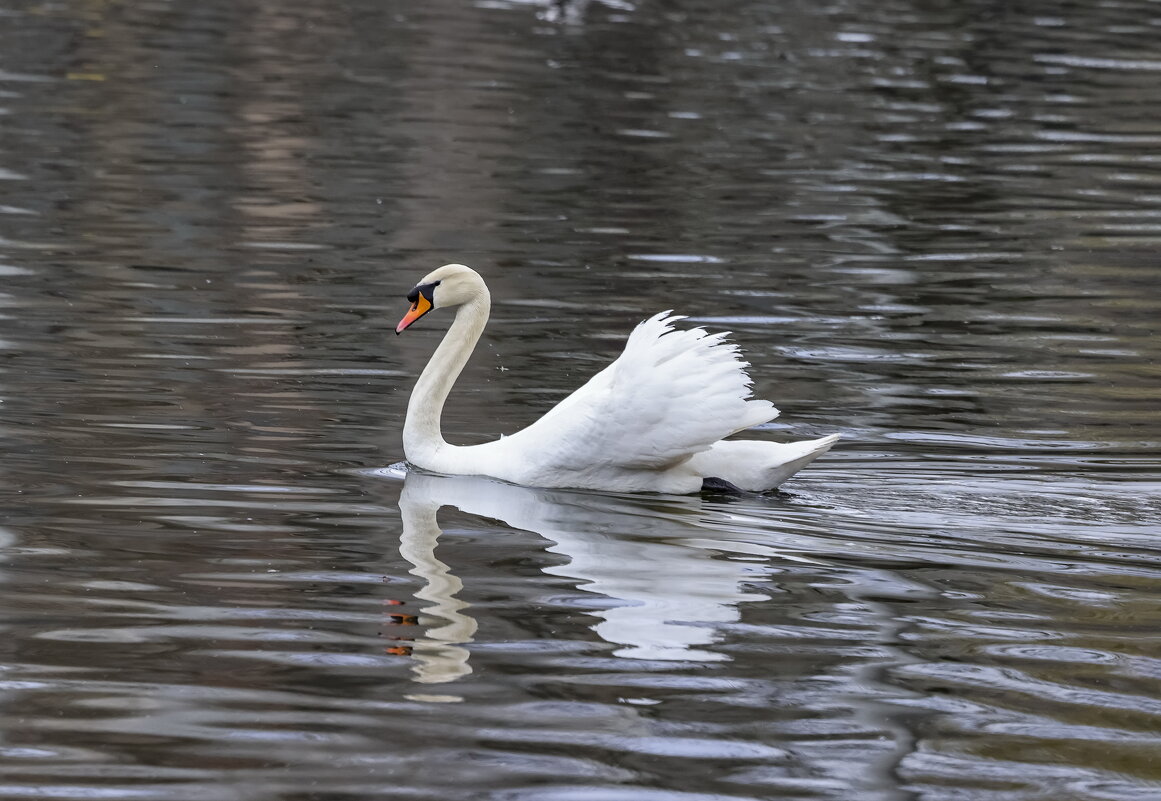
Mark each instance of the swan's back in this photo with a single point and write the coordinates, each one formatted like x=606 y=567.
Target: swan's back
x=672 y=393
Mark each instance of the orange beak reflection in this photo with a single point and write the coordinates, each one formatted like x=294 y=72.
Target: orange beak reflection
x=421 y=307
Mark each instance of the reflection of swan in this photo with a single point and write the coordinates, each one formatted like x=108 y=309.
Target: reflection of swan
x=654 y=557
x=652 y=421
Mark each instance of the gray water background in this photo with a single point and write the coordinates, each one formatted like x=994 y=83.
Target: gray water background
x=933 y=227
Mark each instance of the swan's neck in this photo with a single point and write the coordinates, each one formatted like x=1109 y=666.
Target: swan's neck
x=422 y=438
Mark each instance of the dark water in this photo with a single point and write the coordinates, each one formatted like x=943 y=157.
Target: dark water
x=934 y=227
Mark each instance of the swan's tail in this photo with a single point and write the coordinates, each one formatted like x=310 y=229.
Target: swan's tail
x=759 y=466
x=799 y=455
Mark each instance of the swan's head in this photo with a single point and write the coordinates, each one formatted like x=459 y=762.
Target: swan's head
x=450 y=285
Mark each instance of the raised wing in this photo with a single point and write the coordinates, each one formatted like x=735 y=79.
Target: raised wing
x=672 y=393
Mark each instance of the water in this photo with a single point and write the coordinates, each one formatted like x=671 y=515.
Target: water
x=933 y=229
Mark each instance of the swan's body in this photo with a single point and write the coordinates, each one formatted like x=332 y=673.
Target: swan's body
x=652 y=421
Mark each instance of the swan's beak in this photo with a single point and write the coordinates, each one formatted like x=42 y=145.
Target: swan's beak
x=421 y=307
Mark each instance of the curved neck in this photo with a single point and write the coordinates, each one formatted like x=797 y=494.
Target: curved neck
x=421 y=433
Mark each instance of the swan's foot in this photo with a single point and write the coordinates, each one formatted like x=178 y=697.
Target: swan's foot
x=713 y=484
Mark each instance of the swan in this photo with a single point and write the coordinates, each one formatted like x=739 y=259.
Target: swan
x=652 y=421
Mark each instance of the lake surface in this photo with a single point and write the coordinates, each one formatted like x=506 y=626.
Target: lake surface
x=934 y=228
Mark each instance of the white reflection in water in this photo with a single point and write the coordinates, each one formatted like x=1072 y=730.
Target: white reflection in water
x=654 y=557
x=439 y=655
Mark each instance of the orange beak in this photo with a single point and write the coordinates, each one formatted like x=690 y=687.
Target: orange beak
x=421 y=307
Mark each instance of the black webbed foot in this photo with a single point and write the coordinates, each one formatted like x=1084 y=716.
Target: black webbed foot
x=713 y=484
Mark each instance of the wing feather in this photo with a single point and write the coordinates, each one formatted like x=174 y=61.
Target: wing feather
x=671 y=393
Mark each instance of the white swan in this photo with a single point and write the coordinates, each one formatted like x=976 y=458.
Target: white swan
x=652 y=421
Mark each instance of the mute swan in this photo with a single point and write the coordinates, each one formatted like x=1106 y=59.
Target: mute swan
x=652 y=421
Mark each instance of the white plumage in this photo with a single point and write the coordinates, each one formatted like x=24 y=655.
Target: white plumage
x=652 y=421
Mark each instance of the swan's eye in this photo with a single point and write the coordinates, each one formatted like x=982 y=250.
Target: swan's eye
x=427 y=290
